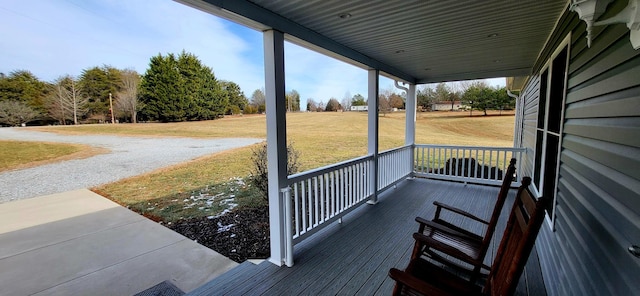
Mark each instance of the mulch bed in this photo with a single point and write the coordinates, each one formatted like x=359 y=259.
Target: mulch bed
x=239 y=235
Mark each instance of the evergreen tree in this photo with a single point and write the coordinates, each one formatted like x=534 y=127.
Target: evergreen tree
x=24 y=87
x=180 y=89
x=96 y=84
x=358 y=100
x=237 y=100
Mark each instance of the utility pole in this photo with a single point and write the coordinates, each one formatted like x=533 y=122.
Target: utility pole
x=113 y=121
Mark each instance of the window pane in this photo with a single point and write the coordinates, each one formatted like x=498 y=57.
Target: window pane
x=556 y=93
x=550 y=170
x=538 y=160
x=542 y=103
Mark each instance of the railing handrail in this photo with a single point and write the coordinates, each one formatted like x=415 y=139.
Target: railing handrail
x=325 y=169
x=517 y=149
x=395 y=149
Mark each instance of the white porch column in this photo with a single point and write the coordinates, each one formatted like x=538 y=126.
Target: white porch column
x=410 y=114
x=410 y=126
x=276 y=139
x=372 y=136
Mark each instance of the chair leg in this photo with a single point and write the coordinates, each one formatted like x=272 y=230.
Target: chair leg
x=475 y=274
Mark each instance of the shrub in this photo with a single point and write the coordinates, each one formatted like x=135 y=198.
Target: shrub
x=260 y=178
x=250 y=109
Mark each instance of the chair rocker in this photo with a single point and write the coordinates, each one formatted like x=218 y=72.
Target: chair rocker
x=423 y=277
x=460 y=243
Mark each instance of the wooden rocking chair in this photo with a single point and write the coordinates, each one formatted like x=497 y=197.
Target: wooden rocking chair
x=459 y=242
x=422 y=277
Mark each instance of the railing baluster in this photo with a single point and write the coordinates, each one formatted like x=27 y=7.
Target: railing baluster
x=316 y=202
x=322 y=201
x=296 y=207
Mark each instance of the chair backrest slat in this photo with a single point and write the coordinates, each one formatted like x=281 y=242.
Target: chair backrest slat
x=502 y=197
x=517 y=242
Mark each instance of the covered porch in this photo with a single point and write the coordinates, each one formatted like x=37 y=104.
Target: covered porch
x=354 y=257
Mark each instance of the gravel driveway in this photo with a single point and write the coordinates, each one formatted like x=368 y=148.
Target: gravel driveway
x=129 y=156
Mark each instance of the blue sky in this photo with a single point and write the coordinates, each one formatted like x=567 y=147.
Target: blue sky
x=54 y=38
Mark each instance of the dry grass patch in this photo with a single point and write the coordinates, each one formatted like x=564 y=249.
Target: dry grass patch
x=201 y=187
x=25 y=154
x=250 y=126
x=321 y=138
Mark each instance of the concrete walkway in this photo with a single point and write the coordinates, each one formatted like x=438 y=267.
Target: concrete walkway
x=79 y=243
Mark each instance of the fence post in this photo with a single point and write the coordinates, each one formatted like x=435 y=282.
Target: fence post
x=287 y=240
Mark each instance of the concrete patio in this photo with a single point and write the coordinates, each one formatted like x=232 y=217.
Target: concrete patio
x=80 y=243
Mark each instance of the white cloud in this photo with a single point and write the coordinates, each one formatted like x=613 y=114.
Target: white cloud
x=52 y=38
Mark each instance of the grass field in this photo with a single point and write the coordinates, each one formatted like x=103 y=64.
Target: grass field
x=199 y=187
x=22 y=154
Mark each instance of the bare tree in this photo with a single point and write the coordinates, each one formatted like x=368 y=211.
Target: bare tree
x=346 y=101
x=384 y=104
x=66 y=101
x=127 y=99
x=15 y=113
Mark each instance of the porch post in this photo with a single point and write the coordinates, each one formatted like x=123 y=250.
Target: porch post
x=372 y=136
x=410 y=127
x=276 y=139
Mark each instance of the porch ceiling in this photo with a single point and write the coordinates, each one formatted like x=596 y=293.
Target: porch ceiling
x=417 y=41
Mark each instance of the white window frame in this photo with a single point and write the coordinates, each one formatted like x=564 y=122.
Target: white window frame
x=538 y=188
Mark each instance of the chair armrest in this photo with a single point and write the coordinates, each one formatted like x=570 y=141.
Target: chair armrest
x=458 y=211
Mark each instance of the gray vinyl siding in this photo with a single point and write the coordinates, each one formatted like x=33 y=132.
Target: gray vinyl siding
x=531 y=97
x=598 y=195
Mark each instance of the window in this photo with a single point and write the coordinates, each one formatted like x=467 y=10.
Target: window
x=553 y=81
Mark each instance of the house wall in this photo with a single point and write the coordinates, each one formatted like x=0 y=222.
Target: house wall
x=445 y=106
x=597 y=216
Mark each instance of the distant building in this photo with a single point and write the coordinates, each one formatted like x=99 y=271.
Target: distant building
x=445 y=106
x=360 y=108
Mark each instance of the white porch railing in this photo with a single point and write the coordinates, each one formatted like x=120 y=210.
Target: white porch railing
x=314 y=199
x=485 y=165
x=323 y=195
x=394 y=165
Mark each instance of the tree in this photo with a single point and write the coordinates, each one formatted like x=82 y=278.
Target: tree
x=479 y=96
x=293 y=101
x=502 y=99
x=127 y=99
x=237 y=100
x=24 y=87
x=180 y=88
x=312 y=106
x=66 y=101
x=346 y=101
x=320 y=106
x=443 y=94
x=97 y=83
x=358 y=100
x=258 y=100
x=396 y=101
x=332 y=105
x=14 y=112
x=426 y=96
x=384 y=105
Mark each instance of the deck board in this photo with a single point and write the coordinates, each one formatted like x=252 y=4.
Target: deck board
x=354 y=257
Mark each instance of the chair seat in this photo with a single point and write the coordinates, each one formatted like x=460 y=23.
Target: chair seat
x=441 y=281
x=469 y=247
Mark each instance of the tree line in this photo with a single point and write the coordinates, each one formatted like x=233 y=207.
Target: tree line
x=180 y=88
x=174 y=88
x=475 y=95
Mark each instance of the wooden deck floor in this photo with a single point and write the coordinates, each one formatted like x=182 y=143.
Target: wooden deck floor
x=353 y=258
